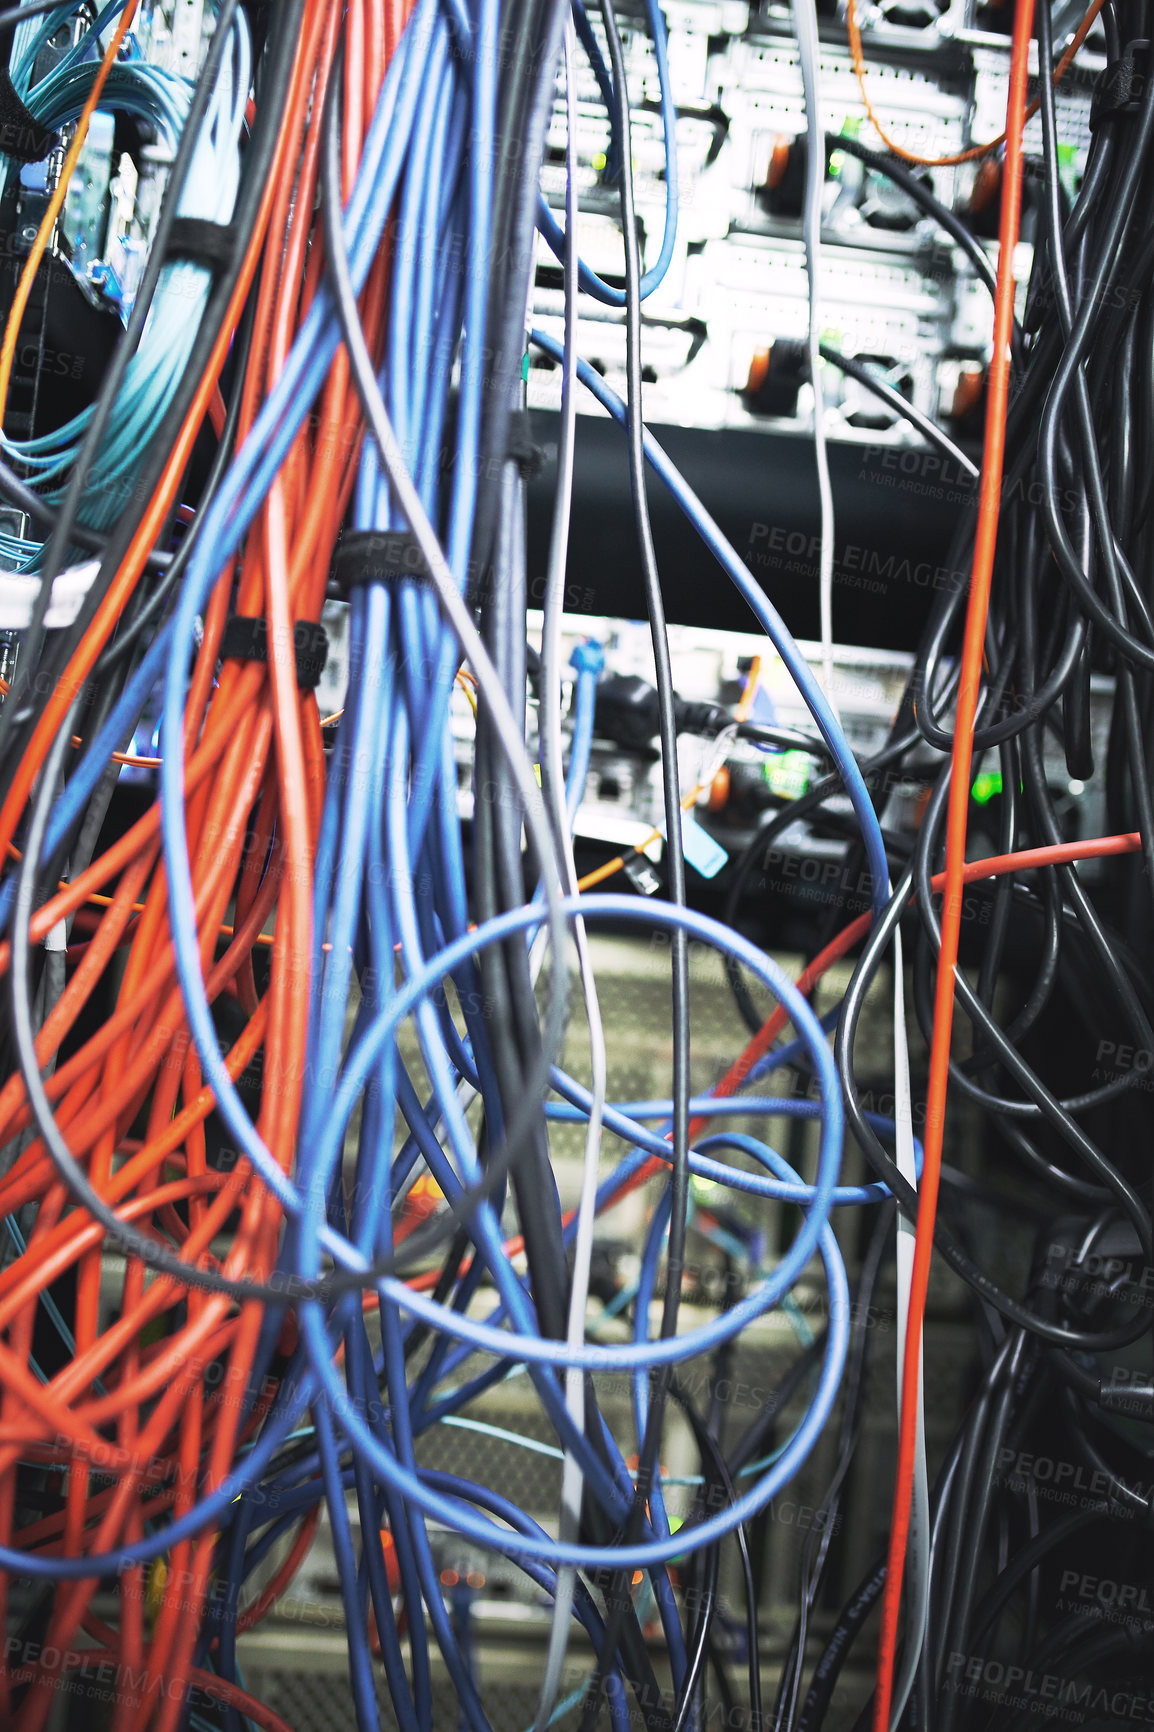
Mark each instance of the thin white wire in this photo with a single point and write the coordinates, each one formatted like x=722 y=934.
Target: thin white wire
x=572 y=1479
x=808 y=48
x=918 y=1544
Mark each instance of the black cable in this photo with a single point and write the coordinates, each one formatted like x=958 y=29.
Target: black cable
x=1007 y=1582
x=532 y=30
x=510 y=1008
x=807 y=806
x=619 y=1601
x=887 y=1169
x=845 y=1632
x=718 y=1478
x=1068 y=376
x=1126 y=1496
x=761 y=1429
x=20 y=495
x=1097 y=1644
x=916 y=189
x=687 y=1697
x=893 y=399
x=963 y=1575
x=1043 y=1104
x=820 y=1533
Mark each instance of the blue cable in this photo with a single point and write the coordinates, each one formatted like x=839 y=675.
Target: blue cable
x=604 y=78
x=767 y=617
x=314 y=1332
x=390 y=867
x=587 y=660
x=554 y=235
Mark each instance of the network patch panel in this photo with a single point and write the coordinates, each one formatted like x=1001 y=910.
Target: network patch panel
x=622 y=801
x=896 y=294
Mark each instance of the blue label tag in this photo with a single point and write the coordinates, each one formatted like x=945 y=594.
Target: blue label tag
x=701 y=851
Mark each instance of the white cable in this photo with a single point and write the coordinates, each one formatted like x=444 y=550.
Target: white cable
x=918 y=1544
x=808 y=48
x=572 y=1479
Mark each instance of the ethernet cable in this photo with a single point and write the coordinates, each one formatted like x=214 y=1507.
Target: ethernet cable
x=588 y=279
x=767 y=616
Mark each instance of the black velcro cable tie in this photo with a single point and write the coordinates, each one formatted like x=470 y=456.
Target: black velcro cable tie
x=197 y=241
x=21 y=134
x=246 y=640
x=378 y=556
x=1119 y=86
x=519 y=446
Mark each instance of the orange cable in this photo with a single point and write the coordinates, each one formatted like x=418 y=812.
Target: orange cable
x=961 y=759
x=975 y=151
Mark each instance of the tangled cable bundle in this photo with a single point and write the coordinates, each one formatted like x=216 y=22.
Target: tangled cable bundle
x=285 y=1049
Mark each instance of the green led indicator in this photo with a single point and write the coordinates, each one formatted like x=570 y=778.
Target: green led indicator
x=986 y=786
x=787 y=774
x=1068 y=168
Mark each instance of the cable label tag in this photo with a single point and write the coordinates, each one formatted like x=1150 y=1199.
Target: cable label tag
x=701 y=851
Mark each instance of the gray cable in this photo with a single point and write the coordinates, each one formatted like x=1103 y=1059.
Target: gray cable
x=509 y=736
x=552 y=781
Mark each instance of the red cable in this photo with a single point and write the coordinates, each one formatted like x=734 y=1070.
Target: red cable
x=995 y=866
x=252 y=1615
x=961 y=759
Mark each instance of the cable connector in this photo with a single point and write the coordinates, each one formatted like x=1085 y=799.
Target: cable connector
x=776 y=376
x=1128 y=1400
x=627 y=713
x=588 y=658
